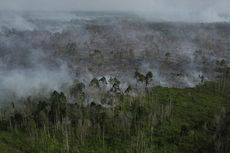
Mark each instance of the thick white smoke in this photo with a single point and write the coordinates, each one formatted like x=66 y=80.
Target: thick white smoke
x=28 y=82
x=29 y=41
x=38 y=77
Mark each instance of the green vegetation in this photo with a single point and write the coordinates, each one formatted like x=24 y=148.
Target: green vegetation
x=164 y=120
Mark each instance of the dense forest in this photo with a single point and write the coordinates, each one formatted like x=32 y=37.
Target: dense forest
x=161 y=120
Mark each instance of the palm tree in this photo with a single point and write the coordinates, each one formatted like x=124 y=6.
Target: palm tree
x=143 y=78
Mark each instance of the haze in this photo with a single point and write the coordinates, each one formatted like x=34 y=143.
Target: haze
x=169 y=10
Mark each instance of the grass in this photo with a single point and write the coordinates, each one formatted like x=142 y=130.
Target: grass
x=166 y=120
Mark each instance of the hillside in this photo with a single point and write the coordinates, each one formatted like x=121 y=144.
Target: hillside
x=99 y=82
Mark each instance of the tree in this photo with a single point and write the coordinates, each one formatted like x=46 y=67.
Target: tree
x=94 y=83
x=148 y=78
x=128 y=89
x=201 y=78
x=143 y=78
x=77 y=90
x=139 y=77
x=41 y=113
x=103 y=80
x=58 y=107
x=115 y=84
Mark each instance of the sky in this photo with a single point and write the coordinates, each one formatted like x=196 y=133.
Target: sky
x=212 y=10
x=121 y=5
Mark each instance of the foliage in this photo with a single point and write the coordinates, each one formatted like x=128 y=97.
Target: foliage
x=163 y=120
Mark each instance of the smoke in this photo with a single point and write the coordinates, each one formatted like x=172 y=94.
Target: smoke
x=34 y=46
x=188 y=11
x=20 y=83
x=14 y=21
x=166 y=10
x=35 y=75
x=26 y=68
